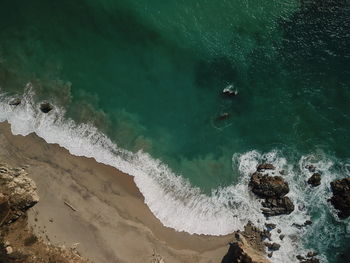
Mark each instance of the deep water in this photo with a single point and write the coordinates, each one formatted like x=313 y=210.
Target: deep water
x=150 y=75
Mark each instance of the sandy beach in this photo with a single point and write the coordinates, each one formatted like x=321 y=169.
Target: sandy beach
x=98 y=209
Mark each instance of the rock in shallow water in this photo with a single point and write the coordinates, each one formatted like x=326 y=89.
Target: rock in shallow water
x=265 y=186
x=46 y=107
x=265 y=166
x=277 y=206
x=273 y=246
x=314 y=180
x=341 y=197
x=15 y=102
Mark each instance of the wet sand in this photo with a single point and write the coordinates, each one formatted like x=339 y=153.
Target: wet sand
x=99 y=209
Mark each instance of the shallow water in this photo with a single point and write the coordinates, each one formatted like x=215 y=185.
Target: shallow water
x=150 y=76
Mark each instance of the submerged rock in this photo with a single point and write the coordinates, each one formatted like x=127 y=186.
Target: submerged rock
x=223 y=116
x=314 y=180
x=265 y=186
x=46 y=107
x=341 y=197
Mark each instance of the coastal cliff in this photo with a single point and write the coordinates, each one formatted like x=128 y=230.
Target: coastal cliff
x=18 y=243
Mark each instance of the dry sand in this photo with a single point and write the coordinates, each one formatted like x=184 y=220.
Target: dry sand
x=111 y=222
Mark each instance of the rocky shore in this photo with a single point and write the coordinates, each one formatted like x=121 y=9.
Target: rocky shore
x=111 y=221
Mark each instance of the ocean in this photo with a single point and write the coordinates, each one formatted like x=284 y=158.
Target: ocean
x=138 y=85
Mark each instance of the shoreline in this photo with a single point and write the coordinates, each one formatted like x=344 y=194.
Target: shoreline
x=111 y=222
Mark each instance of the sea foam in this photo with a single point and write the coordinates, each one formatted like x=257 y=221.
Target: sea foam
x=169 y=196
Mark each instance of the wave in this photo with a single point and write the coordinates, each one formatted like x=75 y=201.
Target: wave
x=170 y=197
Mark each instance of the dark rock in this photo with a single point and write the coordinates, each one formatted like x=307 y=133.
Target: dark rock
x=314 y=180
x=310 y=258
x=341 y=197
x=265 y=186
x=270 y=226
x=46 y=107
x=273 y=246
x=306 y=223
x=270 y=254
x=265 y=235
x=279 y=231
x=277 y=206
x=15 y=102
x=311 y=254
x=281 y=237
x=299 y=257
x=265 y=166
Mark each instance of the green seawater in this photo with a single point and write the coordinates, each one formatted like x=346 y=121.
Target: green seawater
x=150 y=75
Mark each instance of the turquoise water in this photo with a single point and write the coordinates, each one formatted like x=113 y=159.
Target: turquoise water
x=149 y=74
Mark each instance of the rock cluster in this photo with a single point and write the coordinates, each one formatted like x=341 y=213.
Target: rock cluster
x=341 y=197
x=273 y=189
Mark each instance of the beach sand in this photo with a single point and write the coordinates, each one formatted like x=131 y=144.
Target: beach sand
x=111 y=222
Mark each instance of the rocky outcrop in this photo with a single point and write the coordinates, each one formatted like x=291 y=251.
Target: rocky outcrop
x=18 y=192
x=265 y=186
x=247 y=246
x=273 y=189
x=314 y=180
x=17 y=241
x=341 y=197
